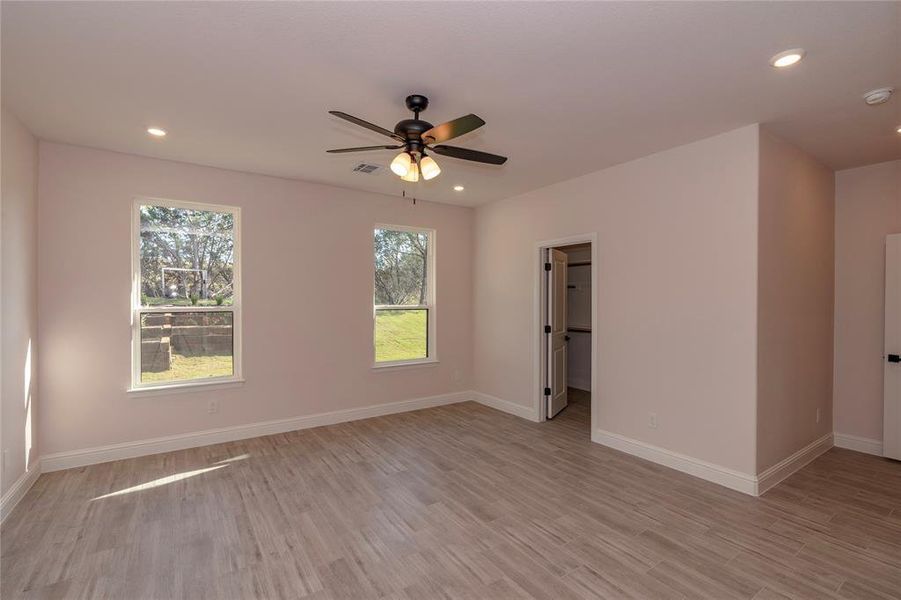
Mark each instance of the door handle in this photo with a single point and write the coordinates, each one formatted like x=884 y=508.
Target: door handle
x=566 y=337
x=894 y=358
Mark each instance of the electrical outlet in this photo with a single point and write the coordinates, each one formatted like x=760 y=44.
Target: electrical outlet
x=458 y=376
x=213 y=406
x=818 y=414
x=652 y=420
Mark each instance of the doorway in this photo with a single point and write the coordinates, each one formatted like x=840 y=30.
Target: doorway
x=565 y=342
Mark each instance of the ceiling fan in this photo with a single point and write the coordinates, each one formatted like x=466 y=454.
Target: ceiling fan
x=416 y=136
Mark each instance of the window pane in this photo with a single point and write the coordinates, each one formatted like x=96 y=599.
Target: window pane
x=401 y=259
x=187 y=257
x=401 y=334
x=185 y=346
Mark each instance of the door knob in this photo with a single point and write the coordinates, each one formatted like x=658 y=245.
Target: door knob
x=894 y=358
x=566 y=337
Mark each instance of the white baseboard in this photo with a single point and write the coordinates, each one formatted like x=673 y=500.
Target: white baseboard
x=790 y=465
x=724 y=476
x=15 y=493
x=91 y=456
x=735 y=480
x=526 y=412
x=858 y=444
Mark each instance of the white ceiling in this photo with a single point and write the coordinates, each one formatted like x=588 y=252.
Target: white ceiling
x=566 y=88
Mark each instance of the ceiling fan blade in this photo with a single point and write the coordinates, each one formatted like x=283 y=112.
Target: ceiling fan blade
x=364 y=148
x=365 y=124
x=473 y=155
x=452 y=129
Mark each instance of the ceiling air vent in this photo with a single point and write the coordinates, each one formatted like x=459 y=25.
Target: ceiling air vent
x=366 y=168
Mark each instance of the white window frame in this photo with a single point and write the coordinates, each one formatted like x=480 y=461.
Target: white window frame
x=430 y=305
x=137 y=309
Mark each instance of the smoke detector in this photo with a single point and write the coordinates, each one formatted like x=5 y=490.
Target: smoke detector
x=880 y=96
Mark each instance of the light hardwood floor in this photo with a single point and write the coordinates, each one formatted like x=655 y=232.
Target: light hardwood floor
x=453 y=502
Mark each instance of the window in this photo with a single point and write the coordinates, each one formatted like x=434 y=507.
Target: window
x=404 y=298
x=186 y=298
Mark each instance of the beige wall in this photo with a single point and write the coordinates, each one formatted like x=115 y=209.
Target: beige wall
x=867 y=208
x=18 y=307
x=795 y=298
x=307 y=294
x=677 y=297
x=678 y=251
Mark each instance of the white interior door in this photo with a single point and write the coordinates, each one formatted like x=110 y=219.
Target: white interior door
x=891 y=445
x=555 y=332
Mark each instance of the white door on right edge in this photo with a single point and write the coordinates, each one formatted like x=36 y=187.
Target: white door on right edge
x=556 y=332
x=891 y=445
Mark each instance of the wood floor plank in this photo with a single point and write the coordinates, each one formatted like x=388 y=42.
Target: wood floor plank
x=456 y=502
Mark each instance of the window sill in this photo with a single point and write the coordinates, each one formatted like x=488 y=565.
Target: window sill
x=183 y=388
x=411 y=364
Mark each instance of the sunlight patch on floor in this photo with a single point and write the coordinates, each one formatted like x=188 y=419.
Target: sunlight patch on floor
x=160 y=482
x=232 y=459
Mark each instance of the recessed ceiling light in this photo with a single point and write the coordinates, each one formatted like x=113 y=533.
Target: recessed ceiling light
x=899 y=129
x=156 y=131
x=459 y=188
x=788 y=58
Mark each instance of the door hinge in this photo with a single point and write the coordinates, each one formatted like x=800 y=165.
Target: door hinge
x=547 y=328
x=547 y=391
x=547 y=266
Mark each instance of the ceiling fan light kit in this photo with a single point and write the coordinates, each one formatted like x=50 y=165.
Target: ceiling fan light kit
x=429 y=167
x=400 y=166
x=416 y=136
x=412 y=175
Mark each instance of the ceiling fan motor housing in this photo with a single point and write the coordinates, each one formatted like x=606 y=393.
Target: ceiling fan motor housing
x=411 y=130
